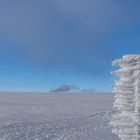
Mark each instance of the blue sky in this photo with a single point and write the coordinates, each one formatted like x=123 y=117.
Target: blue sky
x=44 y=44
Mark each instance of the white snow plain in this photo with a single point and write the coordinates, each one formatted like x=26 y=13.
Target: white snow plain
x=62 y=116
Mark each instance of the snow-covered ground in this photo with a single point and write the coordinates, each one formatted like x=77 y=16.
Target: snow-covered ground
x=26 y=116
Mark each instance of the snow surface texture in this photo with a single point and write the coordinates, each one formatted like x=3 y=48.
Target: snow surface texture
x=126 y=121
x=55 y=116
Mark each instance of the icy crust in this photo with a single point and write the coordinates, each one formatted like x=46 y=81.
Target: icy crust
x=126 y=121
x=127 y=60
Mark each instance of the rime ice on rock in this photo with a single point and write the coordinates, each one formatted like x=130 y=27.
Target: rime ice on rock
x=126 y=121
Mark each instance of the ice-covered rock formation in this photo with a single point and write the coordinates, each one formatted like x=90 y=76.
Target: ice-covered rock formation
x=126 y=121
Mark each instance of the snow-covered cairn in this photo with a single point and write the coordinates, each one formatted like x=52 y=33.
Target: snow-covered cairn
x=126 y=121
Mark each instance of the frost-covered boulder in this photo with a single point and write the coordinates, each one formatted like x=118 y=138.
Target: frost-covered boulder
x=126 y=121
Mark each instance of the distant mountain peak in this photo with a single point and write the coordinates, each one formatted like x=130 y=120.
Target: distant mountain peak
x=65 y=88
